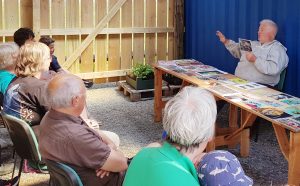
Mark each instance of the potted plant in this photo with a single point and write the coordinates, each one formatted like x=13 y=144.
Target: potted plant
x=141 y=77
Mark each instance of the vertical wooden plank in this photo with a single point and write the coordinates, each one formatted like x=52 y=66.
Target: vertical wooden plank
x=1 y=25
x=26 y=13
x=58 y=14
x=150 y=38
x=86 y=64
x=45 y=14
x=114 y=43
x=72 y=17
x=171 y=34
x=71 y=44
x=126 y=39
x=11 y=17
x=171 y=46
x=36 y=13
x=138 y=39
x=100 y=56
x=101 y=40
x=178 y=28
x=161 y=22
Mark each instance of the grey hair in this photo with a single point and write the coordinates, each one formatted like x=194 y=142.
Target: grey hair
x=7 y=50
x=189 y=117
x=62 y=89
x=271 y=23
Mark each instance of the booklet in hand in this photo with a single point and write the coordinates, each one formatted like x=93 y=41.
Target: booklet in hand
x=245 y=45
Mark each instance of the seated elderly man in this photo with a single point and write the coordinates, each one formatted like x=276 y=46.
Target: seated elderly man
x=189 y=123
x=267 y=59
x=65 y=136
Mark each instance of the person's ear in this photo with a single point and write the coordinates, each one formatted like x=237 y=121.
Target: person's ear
x=75 y=101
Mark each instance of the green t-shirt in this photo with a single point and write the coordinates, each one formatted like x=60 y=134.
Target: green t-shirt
x=161 y=166
x=5 y=79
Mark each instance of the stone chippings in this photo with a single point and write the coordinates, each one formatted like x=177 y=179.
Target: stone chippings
x=133 y=122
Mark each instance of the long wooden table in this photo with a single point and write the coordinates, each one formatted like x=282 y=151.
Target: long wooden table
x=238 y=133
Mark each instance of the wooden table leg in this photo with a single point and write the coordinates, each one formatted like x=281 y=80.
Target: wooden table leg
x=282 y=139
x=233 y=121
x=158 y=95
x=294 y=159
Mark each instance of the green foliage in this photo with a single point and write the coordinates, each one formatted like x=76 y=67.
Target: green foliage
x=142 y=71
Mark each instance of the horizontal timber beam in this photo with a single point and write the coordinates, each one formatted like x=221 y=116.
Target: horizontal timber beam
x=104 y=74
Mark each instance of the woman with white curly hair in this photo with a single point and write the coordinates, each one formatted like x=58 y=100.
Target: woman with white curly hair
x=188 y=121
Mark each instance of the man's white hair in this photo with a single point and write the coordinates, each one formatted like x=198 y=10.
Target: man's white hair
x=65 y=88
x=271 y=23
x=189 y=117
x=7 y=50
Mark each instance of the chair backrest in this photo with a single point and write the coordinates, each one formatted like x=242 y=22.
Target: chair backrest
x=280 y=84
x=62 y=174
x=23 y=138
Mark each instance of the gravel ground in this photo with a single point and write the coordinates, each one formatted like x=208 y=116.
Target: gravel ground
x=133 y=122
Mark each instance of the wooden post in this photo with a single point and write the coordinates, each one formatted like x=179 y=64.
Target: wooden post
x=157 y=95
x=179 y=29
x=36 y=14
x=294 y=159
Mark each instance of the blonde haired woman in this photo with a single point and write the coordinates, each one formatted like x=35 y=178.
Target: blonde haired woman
x=25 y=97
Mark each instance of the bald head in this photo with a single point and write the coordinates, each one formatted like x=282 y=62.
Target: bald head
x=63 y=90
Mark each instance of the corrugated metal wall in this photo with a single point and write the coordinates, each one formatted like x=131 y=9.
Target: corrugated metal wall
x=240 y=18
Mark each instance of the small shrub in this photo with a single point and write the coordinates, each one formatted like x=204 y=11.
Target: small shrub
x=142 y=71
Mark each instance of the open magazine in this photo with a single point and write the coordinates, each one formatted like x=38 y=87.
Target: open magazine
x=245 y=45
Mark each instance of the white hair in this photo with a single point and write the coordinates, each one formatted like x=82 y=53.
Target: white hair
x=270 y=23
x=189 y=117
x=7 y=50
x=62 y=89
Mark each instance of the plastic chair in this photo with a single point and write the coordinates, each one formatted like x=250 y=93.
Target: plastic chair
x=62 y=174
x=280 y=84
x=24 y=140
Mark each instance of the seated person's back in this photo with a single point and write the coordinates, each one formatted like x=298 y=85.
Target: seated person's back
x=188 y=120
x=25 y=97
x=65 y=137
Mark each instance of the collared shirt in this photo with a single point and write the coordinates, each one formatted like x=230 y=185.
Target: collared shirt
x=25 y=98
x=68 y=139
x=271 y=60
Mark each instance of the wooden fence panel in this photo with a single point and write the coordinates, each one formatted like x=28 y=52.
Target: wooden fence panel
x=142 y=31
x=150 y=44
x=114 y=43
x=26 y=13
x=126 y=39
x=162 y=22
x=72 y=20
x=138 y=39
x=45 y=14
x=87 y=21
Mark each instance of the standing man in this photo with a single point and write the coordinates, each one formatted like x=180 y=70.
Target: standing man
x=65 y=137
x=267 y=59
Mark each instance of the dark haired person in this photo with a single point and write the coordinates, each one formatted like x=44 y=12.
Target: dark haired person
x=54 y=65
x=22 y=35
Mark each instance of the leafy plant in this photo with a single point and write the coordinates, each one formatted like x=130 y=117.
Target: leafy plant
x=142 y=71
